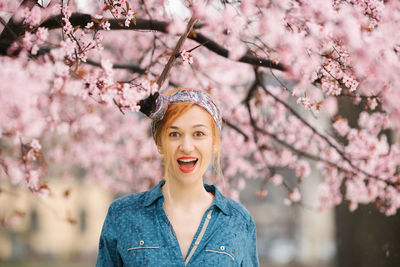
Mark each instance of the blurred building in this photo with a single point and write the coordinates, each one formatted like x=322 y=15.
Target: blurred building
x=66 y=224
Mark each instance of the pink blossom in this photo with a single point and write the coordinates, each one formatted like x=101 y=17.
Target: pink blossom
x=27 y=40
x=55 y=10
x=262 y=193
x=328 y=195
x=35 y=145
x=89 y=25
x=105 y=25
x=295 y=195
x=107 y=66
x=372 y=103
x=305 y=101
x=374 y=123
x=68 y=26
x=341 y=126
x=353 y=206
x=186 y=56
x=68 y=47
x=287 y=202
x=129 y=17
x=32 y=180
x=35 y=49
x=33 y=17
x=44 y=192
x=241 y=184
x=286 y=157
x=330 y=105
x=303 y=169
x=276 y=179
x=331 y=86
x=42 y=34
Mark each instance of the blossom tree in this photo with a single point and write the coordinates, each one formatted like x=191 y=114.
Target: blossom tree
x=73 y=72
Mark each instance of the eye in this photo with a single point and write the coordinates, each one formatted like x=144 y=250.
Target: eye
x=198 y=134
x=174 y=134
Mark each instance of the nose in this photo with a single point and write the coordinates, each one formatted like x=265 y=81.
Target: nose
x=186 y=145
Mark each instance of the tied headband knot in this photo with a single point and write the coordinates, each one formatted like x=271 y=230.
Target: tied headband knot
x=192 y=96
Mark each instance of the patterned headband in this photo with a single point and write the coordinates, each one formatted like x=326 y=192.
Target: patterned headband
x=186 y=95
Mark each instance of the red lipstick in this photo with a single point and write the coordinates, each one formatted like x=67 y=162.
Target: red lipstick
x=187 y=164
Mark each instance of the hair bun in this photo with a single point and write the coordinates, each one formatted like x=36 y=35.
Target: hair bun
x=148 y=104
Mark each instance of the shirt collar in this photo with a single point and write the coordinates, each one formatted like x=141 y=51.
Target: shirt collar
x=220 y=200
x=154 y=194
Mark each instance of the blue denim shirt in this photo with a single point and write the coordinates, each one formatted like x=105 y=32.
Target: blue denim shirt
x=137 y=232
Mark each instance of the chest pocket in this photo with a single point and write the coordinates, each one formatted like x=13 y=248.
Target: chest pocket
x=221 y=254
x=145 y=253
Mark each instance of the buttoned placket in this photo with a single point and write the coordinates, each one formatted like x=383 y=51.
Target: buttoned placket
x=170 y=236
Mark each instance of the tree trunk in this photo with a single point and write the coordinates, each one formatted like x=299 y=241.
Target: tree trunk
x=367 y=238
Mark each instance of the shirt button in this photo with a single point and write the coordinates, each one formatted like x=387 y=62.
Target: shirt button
x=141 y=242
x=209 y=216
x=222 y=248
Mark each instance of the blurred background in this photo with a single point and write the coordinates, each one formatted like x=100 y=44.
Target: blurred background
x=63 y=229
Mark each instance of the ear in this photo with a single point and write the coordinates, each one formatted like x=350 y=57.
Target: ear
x=160 y=150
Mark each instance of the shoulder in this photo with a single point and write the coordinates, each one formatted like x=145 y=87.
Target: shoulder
x=128 y=203
x=240 y=212
x=235 y=211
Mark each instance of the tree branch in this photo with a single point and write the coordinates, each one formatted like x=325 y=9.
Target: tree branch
x=12 y=30
x=248 y=58
x=132 y=67
x=151 y=25
x=246 y=101
x=237 y=129
x=176 y=51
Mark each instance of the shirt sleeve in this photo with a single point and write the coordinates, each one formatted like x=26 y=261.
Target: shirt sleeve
x=108 y=255
x=251 y=255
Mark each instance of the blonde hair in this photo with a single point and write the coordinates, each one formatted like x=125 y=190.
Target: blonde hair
x=173 y=112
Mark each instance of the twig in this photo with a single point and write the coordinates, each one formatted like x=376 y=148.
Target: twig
x=237 y=129
x=176 y=51
x=160 y=26
x=246 y=101
x=197 y=46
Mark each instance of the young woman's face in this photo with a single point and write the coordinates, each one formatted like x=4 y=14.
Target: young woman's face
x=189 y=145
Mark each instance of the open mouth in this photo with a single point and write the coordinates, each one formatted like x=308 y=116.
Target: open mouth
x=187 y=164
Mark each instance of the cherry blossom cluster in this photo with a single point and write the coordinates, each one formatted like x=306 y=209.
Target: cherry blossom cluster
x=121 y=8
x=186 y=56
x=86 y=78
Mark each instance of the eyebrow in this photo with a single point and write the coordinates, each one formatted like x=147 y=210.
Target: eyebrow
x=194 y=126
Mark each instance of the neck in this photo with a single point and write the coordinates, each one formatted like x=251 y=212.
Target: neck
x=185 y=196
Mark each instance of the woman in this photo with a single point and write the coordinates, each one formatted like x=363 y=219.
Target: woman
x=181 y=221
